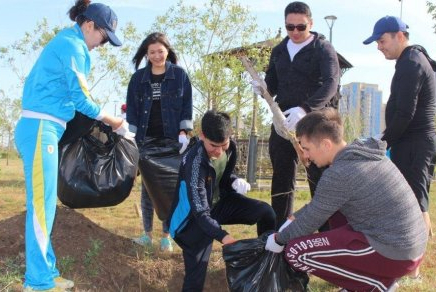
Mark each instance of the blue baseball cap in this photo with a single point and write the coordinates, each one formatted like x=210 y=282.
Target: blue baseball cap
x=104 y=17
x=386 y=24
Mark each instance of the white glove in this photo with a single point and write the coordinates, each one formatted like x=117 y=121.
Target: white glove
x=293 y=115
x=184 y=141
x=123 y=131
x=271 y=244
x=258 y=87
x=378 y=136
x=284 y=225
x=241 y=186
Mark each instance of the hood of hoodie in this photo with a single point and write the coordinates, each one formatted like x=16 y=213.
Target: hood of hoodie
x=363 y=149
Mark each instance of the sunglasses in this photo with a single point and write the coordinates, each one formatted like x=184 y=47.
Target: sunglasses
x=299 y=27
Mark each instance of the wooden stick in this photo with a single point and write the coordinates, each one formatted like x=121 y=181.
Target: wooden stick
x=275 y=109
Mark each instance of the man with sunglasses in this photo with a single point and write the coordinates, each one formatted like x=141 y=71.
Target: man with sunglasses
x=303 y=75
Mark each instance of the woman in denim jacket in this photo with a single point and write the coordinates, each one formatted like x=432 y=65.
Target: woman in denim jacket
x=159 y=104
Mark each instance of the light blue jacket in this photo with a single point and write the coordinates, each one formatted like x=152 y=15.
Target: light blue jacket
x=57 y=85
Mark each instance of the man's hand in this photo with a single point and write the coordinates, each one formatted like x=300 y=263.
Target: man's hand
x=293 y=115
x=228 y=239
x=271 y=244
x=123 y=130
x=184 y=141
x=241 y=186
x=258 y=87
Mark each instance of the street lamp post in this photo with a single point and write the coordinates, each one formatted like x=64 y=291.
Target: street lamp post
x=401 y=9
x=330 y=20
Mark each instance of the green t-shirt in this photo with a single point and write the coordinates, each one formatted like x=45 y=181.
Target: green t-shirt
x=219 y=165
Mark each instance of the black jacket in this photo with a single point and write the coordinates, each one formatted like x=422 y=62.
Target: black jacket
x=309 y=81
x=411 y=106
x=193 y=200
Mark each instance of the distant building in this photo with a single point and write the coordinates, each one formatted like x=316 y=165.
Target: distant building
x=362 y=102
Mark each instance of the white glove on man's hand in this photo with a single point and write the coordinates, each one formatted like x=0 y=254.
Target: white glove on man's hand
x=241 y=186
x=284 y=225
x=293 y=115
x=378 y=136
x=123 y=131
x=184 y=141
x=271 y=244
x=258 y=87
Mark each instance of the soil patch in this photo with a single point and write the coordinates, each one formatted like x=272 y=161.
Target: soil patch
x=99 y=260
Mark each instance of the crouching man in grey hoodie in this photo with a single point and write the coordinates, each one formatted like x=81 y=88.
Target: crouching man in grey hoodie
x=377 y=231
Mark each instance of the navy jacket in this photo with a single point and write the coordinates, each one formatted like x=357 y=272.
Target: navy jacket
x=411 y=106
x=176 y=101
x=193 y=200
x=309 y=81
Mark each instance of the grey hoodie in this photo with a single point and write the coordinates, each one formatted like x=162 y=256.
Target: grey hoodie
x=368 y=189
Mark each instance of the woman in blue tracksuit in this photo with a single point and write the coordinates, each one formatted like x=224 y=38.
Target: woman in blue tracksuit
x=159 y=104
x=54 y=89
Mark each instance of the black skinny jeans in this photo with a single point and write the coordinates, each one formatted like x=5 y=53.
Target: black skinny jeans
x=284 y=160
x=197 y=246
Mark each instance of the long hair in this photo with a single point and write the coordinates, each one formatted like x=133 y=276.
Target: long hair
x=153 y=38
x=76 y=11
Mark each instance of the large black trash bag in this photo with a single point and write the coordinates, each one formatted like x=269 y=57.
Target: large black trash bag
x=97 y=170
x=159 y=162
x=78 y=127
x=249 y=267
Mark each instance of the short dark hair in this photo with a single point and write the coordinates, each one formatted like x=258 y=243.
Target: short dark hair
x=216 y=126
x=298 y=8
x=326 y=123
x=405 y=33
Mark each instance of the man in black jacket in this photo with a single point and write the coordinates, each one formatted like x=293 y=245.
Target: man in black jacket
x=210 y=195
x=410 y=130
x=303 y=75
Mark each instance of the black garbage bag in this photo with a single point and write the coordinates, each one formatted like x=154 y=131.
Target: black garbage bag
x=78 y=127
x=159 y=162
x=249 y=267
x=97 y=170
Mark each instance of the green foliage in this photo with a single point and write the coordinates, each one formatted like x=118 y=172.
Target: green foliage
x=65 y=264
x=11 y=271
x=91 y=255
x=352 y=126
x=8 y=118
x=208 y=41
x=111 y=67
x=432 y=11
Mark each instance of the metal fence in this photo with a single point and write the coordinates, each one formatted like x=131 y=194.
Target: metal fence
x=263 y=163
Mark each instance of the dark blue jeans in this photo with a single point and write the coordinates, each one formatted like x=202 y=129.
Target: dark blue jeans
x=148 y=212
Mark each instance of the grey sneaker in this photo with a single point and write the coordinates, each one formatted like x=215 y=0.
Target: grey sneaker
x=63 y=283
x=393 y=287
x=144 y=240
x=408 y=281
x=165 y=244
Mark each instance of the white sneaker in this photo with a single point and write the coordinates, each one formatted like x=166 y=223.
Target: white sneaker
x=63 y=283
x=393 y=287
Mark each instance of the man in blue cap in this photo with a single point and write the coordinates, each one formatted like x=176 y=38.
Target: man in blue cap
x=410 y=130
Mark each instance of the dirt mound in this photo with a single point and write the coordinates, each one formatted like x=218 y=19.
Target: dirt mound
x=98 y=260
